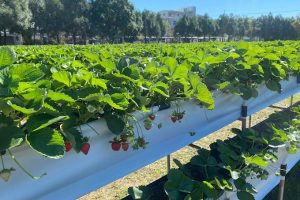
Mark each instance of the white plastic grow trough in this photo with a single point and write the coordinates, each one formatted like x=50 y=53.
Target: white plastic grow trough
x=263 y=187
x=77 y=174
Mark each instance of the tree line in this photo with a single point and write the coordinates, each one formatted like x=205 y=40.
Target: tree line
x=117 y=21
x=267 y=27
x=110 y=20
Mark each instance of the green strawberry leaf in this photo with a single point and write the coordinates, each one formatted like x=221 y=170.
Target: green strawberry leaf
x=48 y=142
x=7 y=56
x=37 y=122
x=115 y=124
x=10 y=136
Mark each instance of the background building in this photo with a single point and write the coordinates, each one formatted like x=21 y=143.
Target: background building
x=172 y=16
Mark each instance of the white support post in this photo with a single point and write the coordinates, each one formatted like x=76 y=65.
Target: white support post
x=250 y=121
x=283 y=169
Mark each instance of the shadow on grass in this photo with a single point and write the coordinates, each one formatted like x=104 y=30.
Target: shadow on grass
x=157 y=189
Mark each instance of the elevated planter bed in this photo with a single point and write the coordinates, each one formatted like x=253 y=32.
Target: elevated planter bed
x=263 y=187
x=76 y=174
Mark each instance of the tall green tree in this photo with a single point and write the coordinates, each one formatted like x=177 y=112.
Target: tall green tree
x=296 y=25
x=111 y=18
x=6 y=16
x=75 y=20
x=206 y=26
x=186 y=26
x=228 y=25
x=15 y=15
x=125 y=18
x=276 y=28
x=135 y=27
x=155 y=29
x=36 y=7
x=148 y=23
x=99 y=11
x=51 y=19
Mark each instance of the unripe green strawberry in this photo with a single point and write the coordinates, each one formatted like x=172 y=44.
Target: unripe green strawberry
x=5 y=174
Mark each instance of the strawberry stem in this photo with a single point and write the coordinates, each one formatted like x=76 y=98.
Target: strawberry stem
x=205 y=113
x=152 y=109
x=23 y=169
x=93 y=129
x=138 y=126
x=2 y=162
x=80 y=129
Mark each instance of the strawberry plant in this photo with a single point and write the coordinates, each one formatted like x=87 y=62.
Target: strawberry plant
x=47 y=91
x=148 y=123
x=178 y=113
x=139 y=143
x=235 y=160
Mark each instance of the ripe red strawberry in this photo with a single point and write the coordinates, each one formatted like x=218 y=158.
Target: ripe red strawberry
x=125 y=146
x=68 y=146
x=115 y=146
x=152 y=117
x=180 y=116
x=173 y=119
x=85 y=148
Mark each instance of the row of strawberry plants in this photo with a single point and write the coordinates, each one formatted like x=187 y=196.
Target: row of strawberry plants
x=235 y=161
x=47 y=91
x=230 y=164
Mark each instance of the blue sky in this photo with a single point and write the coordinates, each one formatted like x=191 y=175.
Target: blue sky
x=214 y=8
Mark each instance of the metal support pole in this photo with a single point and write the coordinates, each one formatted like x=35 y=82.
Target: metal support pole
x=244 y=113
x=283 y=168
x=250 y=121
x=168 y=163
x=292 y=100
x=194 y=146
x=244 y=123
x=277 y=107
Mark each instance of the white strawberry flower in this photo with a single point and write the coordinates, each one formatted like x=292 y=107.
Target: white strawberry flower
x=100 y=110
x=91 y=108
